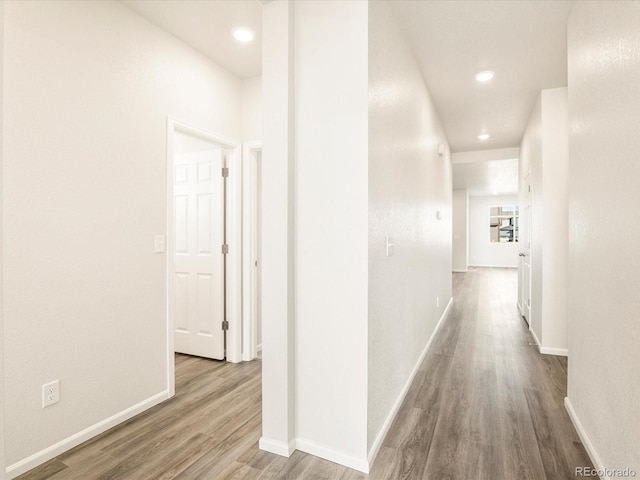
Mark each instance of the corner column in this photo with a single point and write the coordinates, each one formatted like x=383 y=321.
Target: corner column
x=278 y=209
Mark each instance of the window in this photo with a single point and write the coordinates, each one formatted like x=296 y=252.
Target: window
x=503 y=224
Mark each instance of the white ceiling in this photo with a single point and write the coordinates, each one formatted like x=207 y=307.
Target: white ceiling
x=523 y=42
x=207 y=25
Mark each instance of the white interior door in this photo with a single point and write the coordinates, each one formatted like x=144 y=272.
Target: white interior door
x=525 y=251
x=198 y=267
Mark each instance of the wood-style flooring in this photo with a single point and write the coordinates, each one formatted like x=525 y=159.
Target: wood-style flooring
x=484 y=405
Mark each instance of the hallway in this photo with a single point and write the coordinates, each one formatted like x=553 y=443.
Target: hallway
x=484 y=405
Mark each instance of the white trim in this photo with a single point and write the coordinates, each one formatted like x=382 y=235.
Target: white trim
x=373 y=452
x=279 y=448
x=586 y=441
x=457 y=270
x=171 y=358
x=234 y=257
x=493 y=266
x=68 y=443
x=2 y=394
x=535 y=337
x=249 y=255
x=562 y=352
x=313 y=448
x=234 y=232
x=259 y=348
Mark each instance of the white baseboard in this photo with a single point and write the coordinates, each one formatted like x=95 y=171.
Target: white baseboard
x=307 y=446
x=458 y=270
x=68 y=443
x=562 y=352
x=375 y=448
x=535 y=337
x=586 y=441
x=360 y=464
x=494 y=266
x=275 y=446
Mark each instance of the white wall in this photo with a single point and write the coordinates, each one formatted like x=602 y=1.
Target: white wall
x=278 y=208
x=88 y=88
x=251 y=89
x=331 y=229
x=2 y=429
x=481 y=251
x=460 y=227
x=531 y=163
x=544 y=153
x=555 y=225
x=408 y=184
x=485 y=155
x=604 y=232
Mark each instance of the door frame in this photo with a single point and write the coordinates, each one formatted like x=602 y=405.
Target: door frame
x=250 y=243
x=234 y=236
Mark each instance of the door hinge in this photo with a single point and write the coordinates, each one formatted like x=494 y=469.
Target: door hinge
x=529 y=188
x=225 y=325
x=225 y=172
x=225 y=249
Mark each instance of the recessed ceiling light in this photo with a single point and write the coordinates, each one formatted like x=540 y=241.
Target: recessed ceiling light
x=484 y=76
x=242 y=34
x=483 y=136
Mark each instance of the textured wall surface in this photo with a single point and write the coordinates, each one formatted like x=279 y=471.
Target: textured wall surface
x=555 y=232
x=252 y=109
x=408 y=184
x=604 y=231
x=460 y=225
x=88 y=88
x=331 y=227
x=278 y=203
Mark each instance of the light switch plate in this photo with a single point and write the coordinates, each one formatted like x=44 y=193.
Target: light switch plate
x=389 y=246
x=158 y=244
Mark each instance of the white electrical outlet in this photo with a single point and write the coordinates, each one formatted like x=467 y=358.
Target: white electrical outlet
x=50 y=393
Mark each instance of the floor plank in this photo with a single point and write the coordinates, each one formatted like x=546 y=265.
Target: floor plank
x=484 y=405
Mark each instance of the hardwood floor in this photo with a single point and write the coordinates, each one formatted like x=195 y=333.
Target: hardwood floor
x=484 y=405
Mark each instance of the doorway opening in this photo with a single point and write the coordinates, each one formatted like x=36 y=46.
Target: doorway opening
x=252 y=265
x=203 y=246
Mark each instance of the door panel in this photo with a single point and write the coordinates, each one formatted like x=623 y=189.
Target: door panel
x=524 y=284
x=197 y=270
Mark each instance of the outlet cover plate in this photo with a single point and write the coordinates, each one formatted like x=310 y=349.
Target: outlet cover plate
x=50 y=393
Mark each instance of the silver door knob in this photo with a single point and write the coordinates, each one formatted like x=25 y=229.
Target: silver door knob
x=521 y=254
